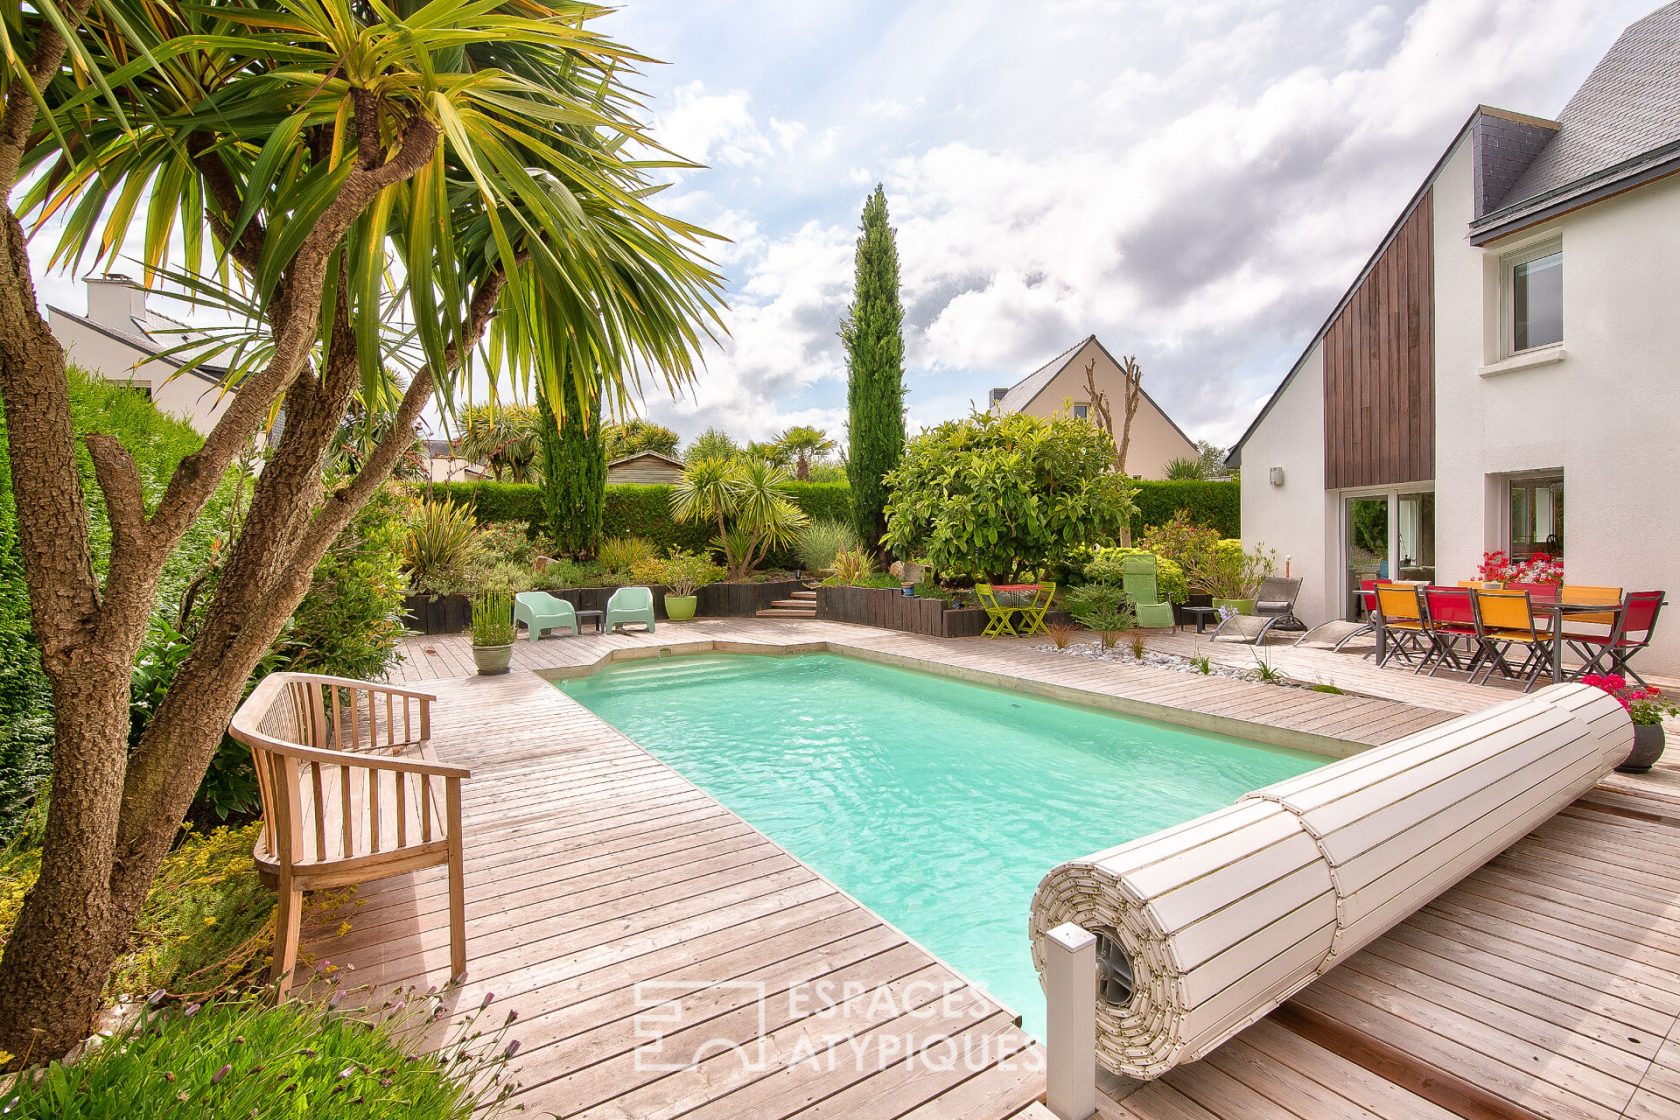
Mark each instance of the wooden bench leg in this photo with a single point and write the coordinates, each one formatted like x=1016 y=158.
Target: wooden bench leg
x=457 y=885
x=288 y=923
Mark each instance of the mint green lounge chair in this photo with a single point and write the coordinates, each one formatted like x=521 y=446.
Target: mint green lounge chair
x=1138 y=577
x=540 y=611
x=629 y=604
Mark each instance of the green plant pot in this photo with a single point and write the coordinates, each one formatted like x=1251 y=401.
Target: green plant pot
x=492 y=659
x=680 y=608
x=1241 y=606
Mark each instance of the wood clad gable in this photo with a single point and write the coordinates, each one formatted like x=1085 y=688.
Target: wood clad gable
x=1379 y=366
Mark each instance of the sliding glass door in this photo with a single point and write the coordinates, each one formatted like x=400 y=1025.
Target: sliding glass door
x=1387 y=535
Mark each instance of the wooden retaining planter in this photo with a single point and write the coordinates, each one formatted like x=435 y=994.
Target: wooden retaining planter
x=893 y=610
x=452 y=614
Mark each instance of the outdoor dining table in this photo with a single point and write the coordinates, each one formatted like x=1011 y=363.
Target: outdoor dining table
x=1558 y=610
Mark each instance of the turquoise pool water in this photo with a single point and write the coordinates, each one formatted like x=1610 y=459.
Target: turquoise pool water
x=939 y=804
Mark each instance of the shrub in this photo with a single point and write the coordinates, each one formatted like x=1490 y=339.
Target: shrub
x=1182 y=541
x=566 y=573
x=574 y=468
x=502 y=541
x=1100 y=606
x=1213 y=505
x=1227 y=572
x=492 y=618
x=439 y=545
x=622 y=554
x=1186 y=469
x=243 y=1057
x=682 y=573
x=1005 y=496
x=822 y=541
x=852 y=566
x=1105 y=567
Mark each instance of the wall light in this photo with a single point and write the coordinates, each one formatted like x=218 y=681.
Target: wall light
x=1276 y=476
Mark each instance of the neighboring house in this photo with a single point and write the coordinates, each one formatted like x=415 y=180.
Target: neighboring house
x=123 y=341
x=644 y=467
x=444 y=464
x=1059 y=384
x=1505 y=371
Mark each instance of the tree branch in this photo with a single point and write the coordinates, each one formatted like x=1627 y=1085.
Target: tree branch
x=20 y=112
x=246 y=249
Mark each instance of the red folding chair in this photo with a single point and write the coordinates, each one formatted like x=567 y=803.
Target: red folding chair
x=1632 y=632
x=1450 y=619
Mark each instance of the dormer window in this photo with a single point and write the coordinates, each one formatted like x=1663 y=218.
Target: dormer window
x=1533 y=284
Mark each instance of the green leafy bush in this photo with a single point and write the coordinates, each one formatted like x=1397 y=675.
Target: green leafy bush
x=1105 y=567
x=1005 y=496
x=1227 y=572
x=242 y=1057
x=1185 y=543
x=1103 y=607
x=853 y=566
x=1213 y=505
x=681 y=573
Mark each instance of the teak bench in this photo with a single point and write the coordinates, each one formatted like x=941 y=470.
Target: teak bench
x=350 y=794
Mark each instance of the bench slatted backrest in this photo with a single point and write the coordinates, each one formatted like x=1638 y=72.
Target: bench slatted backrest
x=335 y=786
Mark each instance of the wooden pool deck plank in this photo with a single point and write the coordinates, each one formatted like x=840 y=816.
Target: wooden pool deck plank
x=1547 y=984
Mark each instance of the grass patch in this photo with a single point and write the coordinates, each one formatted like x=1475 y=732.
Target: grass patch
x=242 y=1058
x=1330 y=688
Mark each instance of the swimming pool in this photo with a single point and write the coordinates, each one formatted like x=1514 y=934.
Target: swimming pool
x=937 y=803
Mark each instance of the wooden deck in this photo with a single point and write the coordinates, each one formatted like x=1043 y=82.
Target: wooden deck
x=600 y=883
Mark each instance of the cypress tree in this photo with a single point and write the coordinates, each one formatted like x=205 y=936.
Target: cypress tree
x=574 y=468
x=872 y=334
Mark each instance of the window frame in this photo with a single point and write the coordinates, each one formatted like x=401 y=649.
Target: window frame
x=1081 y=411
x=1508 y=265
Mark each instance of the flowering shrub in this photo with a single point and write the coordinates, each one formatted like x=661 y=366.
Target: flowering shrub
x=1644 y=705
x=1495 y=567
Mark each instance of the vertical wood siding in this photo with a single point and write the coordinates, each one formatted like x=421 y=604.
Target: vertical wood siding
x=1379 y=368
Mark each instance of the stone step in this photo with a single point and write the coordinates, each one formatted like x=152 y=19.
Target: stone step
x=794 y=604
x=808 y=596
x=787 y=612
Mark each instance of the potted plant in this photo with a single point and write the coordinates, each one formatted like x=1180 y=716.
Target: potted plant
x=492 y=631
x=1647 y=707
x=1230 y=575
x=684 y=574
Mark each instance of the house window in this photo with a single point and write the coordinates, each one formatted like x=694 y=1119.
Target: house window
x=1081 y=411
x=1534 y=298
x=1537 y=516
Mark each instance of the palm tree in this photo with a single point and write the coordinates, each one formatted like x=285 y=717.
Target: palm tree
x=409 y=187
x=746 y=497
x=804 y=443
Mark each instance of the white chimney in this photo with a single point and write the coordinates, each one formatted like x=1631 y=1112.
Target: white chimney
x=115 y=300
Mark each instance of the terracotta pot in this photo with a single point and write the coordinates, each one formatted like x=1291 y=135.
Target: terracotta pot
x=1648 y=742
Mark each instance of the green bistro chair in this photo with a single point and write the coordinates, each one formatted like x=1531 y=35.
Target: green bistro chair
x=540 y=611
x=1032 y=615
x=998 y=621
x=1138 y=577
x=629 y=604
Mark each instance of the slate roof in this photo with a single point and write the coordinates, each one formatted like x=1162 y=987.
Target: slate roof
x=142 y=340
x=1622 y=127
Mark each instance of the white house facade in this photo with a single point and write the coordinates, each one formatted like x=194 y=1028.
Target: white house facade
x=122 y=340
x=1505 y=372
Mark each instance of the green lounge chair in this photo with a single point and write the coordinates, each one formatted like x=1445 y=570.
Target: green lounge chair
x=540 y=611
x=629 y=604
x=1138 y=577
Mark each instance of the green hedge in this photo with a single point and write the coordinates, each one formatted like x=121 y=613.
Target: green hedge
x=1217 y=505
x=633 y=509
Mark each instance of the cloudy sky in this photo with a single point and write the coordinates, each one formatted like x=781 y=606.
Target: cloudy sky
x=1194 y=181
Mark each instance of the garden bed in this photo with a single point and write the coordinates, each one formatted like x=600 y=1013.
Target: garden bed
x=452 y=614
